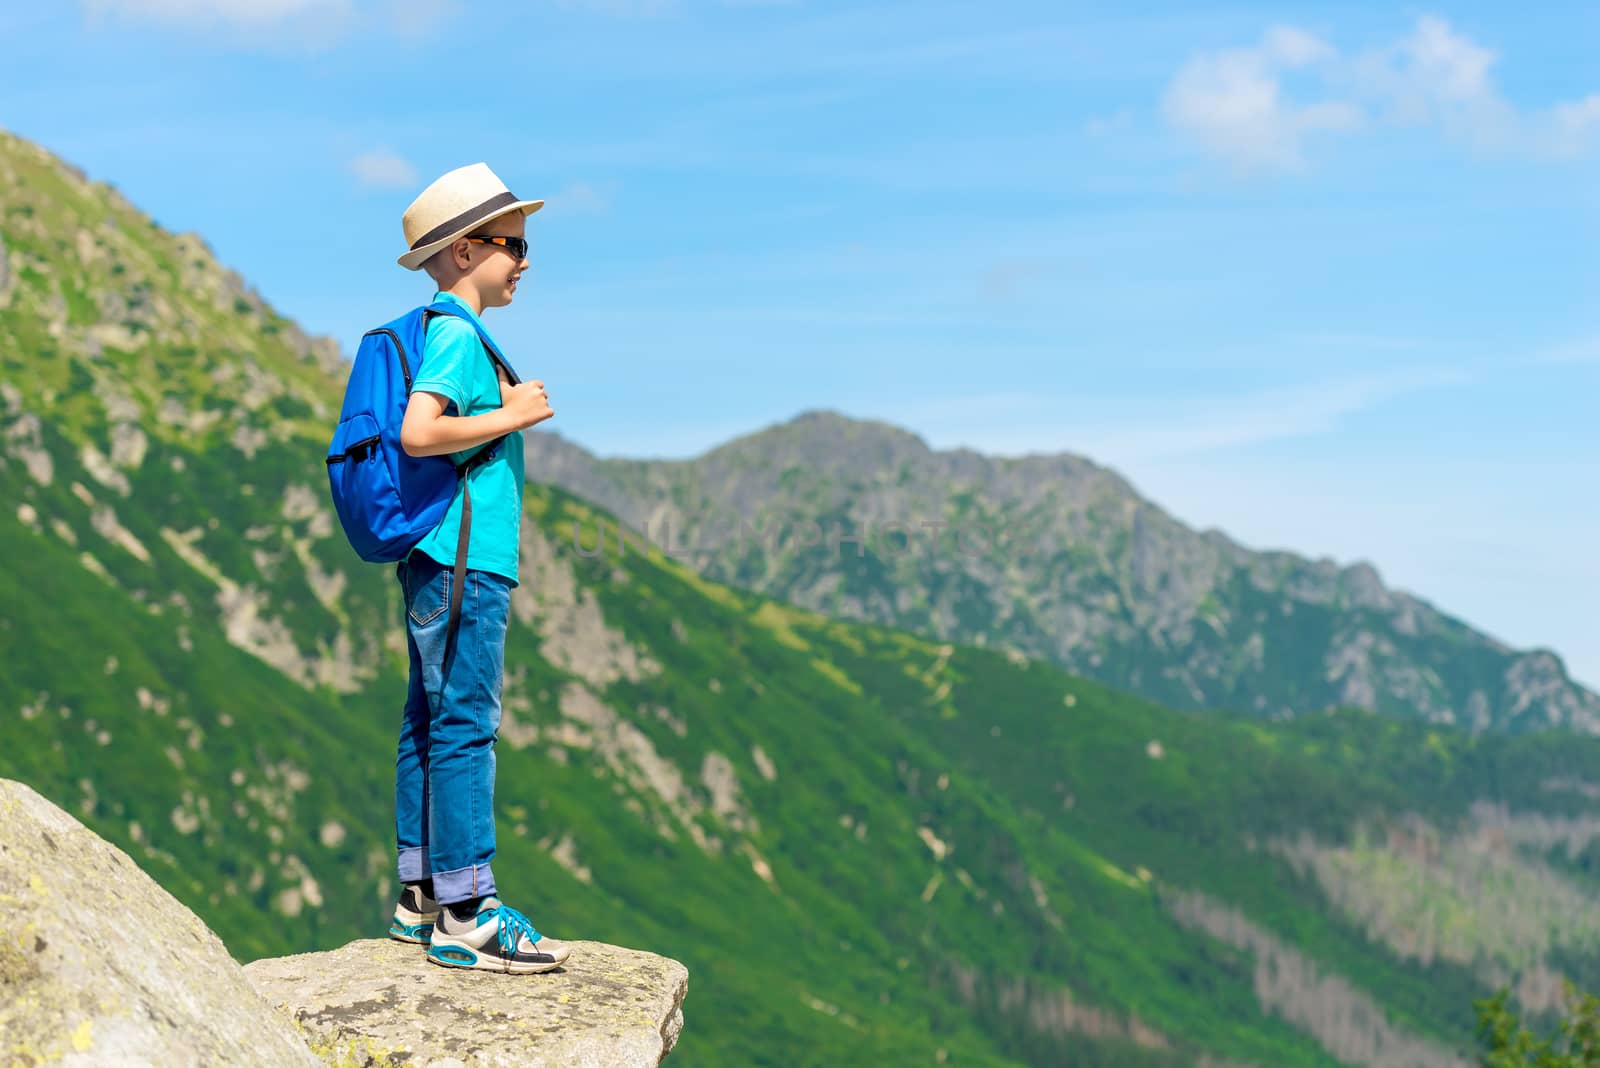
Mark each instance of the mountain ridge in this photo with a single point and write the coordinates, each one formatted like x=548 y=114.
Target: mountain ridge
x=865 y=843
x=1094 y=576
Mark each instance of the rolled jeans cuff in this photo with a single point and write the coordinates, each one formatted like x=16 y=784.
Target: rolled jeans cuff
x=463 y=884
x=413 y=864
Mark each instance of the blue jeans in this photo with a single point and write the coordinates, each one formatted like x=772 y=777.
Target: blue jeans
x=444 y=772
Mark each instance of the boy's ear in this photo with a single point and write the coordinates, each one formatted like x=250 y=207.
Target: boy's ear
x=461 y=252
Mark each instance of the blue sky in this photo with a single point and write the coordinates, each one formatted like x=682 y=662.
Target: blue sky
x=1323 y=276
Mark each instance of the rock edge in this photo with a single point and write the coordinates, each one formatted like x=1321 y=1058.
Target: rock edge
x=379 y=1002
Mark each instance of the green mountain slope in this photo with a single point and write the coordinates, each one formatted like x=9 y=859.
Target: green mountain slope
x=864 y=844
x=1058 y=557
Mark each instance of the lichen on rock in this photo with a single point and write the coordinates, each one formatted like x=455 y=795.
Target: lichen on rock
x=100 y=965
x=605 y=1006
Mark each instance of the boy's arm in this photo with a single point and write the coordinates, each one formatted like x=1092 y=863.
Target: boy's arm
x=427 y=431
x=452 y=354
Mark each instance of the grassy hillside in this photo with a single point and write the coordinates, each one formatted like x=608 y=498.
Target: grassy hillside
x=865 y=845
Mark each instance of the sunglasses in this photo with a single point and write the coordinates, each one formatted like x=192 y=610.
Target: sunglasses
x=517 y=246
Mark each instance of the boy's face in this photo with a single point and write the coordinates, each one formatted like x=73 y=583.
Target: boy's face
x=494 y=269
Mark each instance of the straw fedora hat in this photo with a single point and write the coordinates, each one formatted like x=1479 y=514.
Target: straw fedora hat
x=453 y=206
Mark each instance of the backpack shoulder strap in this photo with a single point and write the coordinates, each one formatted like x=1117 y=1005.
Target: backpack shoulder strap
x=487 y=450
x=495 y=355
x=485 y=453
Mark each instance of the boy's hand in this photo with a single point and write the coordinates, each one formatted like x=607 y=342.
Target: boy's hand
x=526 y=403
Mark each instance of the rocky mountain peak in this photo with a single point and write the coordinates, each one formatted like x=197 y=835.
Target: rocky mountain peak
x=824 y=439
x=1085 y=571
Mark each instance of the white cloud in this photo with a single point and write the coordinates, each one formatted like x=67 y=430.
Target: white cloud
x=1448 y=65
x=382 y=169
x=1270 y=415
x=621 y=8
x=1574 y=125
x=579 y=198
x=1583 y=350
x=651 y=8
x=1105 y=125
x=416 y=20
x=1236 y=103
x=1440 y=76
x=283 y=25
x=237 y=12
x=1437 y=76
x=1124 y=430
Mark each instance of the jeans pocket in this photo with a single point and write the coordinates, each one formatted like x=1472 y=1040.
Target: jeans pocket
x=427 y=592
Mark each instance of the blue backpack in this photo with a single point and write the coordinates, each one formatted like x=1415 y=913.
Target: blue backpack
x=387 y=500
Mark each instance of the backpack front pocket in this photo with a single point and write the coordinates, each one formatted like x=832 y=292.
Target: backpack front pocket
x=364 y=491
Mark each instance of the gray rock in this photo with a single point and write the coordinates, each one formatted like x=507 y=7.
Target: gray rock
x=378 y=999
x=100 y=966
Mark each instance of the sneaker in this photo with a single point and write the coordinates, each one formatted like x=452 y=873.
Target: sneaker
x=496 y=938
x=414 y=916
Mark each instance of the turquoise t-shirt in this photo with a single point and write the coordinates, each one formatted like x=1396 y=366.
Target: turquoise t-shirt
x=456 y=366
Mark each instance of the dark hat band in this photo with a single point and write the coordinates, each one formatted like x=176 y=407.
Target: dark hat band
x=472 y=215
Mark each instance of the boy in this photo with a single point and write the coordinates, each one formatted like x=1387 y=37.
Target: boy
x=467 y=231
